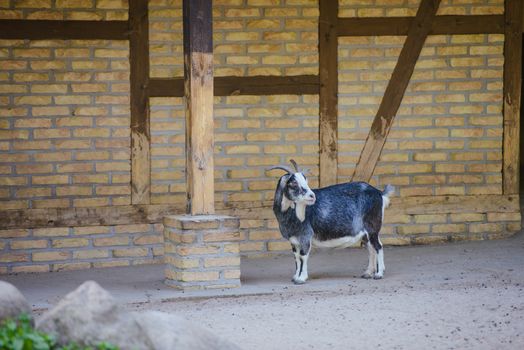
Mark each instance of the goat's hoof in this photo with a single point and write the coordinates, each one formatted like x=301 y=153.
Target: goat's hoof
x=367 y=276
x=377 y=277
x=298 y=281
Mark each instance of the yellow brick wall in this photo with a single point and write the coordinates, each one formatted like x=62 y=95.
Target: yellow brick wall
x=95 y=10
x=64 y=125
x=447 y=135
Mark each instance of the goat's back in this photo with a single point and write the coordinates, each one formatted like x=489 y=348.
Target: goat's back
x=345 y=210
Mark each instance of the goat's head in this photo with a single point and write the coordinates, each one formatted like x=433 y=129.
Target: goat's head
x=295 y=187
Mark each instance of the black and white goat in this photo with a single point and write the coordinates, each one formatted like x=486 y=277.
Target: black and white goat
x=337 y=216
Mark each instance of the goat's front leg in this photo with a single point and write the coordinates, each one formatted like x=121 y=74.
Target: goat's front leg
x=301 y=250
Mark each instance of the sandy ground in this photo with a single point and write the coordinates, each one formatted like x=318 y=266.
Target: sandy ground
x=456 y=296
x=461 y=296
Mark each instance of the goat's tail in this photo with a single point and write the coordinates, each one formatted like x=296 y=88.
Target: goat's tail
x=388 y=191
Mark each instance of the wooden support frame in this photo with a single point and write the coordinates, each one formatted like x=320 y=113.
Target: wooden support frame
x=149 y=214
x=446 y=24
x=65 y=30
x=513 y=10
x=225 y=86
x=328 y=97
x=140 y=131
x=230 y=86
x=198 y=86
x=395 y=90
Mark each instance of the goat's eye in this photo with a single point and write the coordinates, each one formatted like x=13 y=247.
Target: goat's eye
x=293 y=184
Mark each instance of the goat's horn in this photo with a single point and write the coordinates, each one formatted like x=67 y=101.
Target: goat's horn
x=282 y=167
x=295 y=165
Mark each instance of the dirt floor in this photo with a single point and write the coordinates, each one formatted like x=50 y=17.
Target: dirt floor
x=456 y=296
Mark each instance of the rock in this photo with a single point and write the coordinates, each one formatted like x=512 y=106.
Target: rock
x=172 y=332
x=12 y=302
x=90 y=315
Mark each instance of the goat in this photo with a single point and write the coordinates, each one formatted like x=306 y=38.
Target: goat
x=337 y=216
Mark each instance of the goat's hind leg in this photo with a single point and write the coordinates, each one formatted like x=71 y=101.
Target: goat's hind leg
x=379 y=256
x=372 y=261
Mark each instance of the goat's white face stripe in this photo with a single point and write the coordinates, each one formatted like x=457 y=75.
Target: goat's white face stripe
x=302 y=182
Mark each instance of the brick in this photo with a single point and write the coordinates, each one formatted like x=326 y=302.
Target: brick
x=91 y=230
x=196 y=250
x=69 y=242
x=51 y=232
x=232 y=274
x=29 y=244
x=278 y=246
x=50 y=256
x=148 y=239
x=220 y=262
x=130 y=252
x=448 y=228
x=182 y=263
x=111 y=241
x=71 y=266
x=413 y=229
x=430 y=218
x=30 y=268
x=494 y=217
x=197 y=276
x=90 y=254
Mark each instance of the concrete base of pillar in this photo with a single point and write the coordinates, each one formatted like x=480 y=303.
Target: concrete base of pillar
x=202 y=251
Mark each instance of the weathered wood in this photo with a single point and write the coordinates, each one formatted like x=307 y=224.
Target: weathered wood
x=140 y=131
x=395 y=90
x=328 y=97
x=230 y=86
x=46 y=29
x=447 y=24
x=143 y=214
x=512 y=94
x=198 y=76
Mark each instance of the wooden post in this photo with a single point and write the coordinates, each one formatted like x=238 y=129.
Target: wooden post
x=512 y=93
x=139 y=76
x=328 y=76
x=417 y=34
x=198 y=86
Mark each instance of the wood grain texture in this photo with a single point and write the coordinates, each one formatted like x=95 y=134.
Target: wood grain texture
x=47 y=29
x=144 y=214
x=198 y=76
x=139 y=75
x=512 y=94
x=446 y=24
x=328 y=97
x=395 y=90
x=231 y=86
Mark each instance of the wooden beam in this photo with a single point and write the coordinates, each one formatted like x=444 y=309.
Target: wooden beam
x=140 y=131
x=254 y=85
x=198 y=76
x=512 y=94
x=395 y=90
x=149 y=214
x=46 y=29
x=328 y=97
x=447 y=24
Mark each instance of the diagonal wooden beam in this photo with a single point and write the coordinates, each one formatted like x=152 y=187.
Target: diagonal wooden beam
x=328 y=76
x=512 y=93
x=417 y=34
x=139 y=75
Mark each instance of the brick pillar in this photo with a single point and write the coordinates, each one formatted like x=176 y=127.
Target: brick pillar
x=202 y=251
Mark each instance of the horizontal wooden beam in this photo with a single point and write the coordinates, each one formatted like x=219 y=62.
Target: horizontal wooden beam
x=448 y=24
x=255 y=85
x=46 y=29
x=142 y=214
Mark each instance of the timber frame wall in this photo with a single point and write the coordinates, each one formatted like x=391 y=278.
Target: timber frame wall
x=135 y=30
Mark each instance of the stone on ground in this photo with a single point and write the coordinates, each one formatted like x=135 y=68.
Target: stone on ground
x=90 y=315
x=12 y=302
x=173 y=332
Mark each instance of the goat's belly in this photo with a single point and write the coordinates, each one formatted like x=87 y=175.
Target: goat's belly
x=342 y=242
